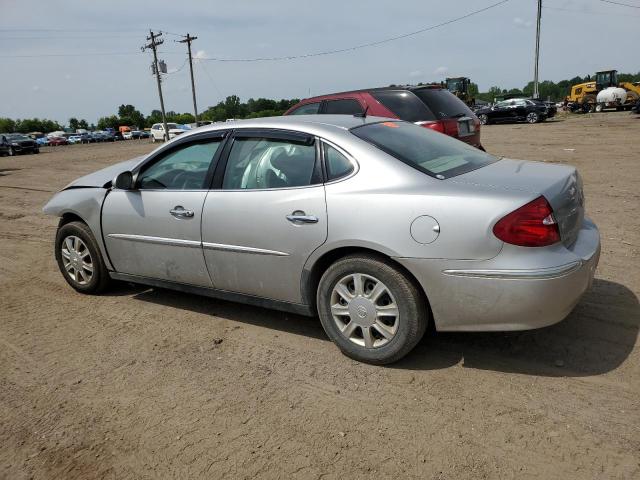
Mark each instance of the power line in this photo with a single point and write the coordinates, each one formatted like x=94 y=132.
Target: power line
x=617 y=14
x=620 y=3
x=357 y=47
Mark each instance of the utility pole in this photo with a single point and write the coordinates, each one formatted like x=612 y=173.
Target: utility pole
x=536 y=93
x=188 y=39
x=154 y=41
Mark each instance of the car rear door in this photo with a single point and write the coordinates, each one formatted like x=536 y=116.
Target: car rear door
x=154 y=230
x=265 y=215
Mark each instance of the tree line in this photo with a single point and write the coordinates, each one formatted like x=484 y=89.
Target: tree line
x=233 y=107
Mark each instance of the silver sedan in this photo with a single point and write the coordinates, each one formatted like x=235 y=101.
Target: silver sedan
x=377 y=226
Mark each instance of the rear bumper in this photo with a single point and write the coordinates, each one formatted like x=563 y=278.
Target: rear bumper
x=509 y=292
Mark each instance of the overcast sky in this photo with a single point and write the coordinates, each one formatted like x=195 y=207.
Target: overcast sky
x=68 y=67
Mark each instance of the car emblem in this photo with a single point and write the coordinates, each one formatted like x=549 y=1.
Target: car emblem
x=361 y=311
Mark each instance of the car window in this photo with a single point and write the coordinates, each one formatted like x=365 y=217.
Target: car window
x=437 y=155
x=404 y=104
x=443 y=103
x=182 y=169
x=502 y=104
x=257 y=163
x=346 y=106
x=308 y=109
x=337 y=164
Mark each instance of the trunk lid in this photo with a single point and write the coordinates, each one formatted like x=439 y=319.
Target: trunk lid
x=561 y=185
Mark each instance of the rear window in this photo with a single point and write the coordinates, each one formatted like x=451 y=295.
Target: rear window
x=404 y=104
x=443 y=103
x=346 y=106
x=430 y=152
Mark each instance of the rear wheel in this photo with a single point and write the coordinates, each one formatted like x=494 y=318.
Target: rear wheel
x=370 y=309
x=533 y=117
x=79 y=259
x=484 y=119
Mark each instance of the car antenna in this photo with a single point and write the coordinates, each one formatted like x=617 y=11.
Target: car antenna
x=363 y=114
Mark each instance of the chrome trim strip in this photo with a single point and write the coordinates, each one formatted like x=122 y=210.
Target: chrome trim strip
x=175 y=242
x=537 y=274
x=237 y=248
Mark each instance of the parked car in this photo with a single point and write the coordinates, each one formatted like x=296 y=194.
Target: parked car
x=127 y=135
x=56 y=141
x=73 y=139
x=19 y=144
x=514 y=110
x=4 y=145
x=379 y=226
x=145 y=134
x=42 y=141
x=157 y=131
x=430 y=106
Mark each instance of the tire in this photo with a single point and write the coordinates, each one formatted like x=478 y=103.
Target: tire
x=153 y=139
x=484 y=119
x=36 y=151
x=360 y=314
x=533 y=117
x=76 y=239
x=599 y=107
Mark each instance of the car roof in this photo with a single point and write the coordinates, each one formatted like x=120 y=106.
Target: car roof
x=410 y=88
x=297 y=122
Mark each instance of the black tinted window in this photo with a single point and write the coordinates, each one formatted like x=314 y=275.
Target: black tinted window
x=347 y=106
x=443 y=103
x=308 y=109
x=337 y=164
x=430 y=152
x=404 y=104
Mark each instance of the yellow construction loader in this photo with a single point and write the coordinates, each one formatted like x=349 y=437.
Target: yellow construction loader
x=602 y=93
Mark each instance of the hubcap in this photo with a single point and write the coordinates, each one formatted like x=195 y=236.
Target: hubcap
x=532 y=117
x=77 y=260
x=364 y=310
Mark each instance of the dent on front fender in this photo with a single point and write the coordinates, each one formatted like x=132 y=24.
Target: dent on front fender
x=85 y=203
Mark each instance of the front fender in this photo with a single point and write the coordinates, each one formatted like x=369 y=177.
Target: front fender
x=85 y=203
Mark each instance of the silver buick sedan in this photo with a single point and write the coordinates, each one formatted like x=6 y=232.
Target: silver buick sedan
x=378 y=226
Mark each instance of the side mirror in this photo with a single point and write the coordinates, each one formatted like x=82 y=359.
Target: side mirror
x=124 y=181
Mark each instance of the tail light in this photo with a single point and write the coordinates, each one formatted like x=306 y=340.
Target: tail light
x=532 y=225
x=447 y=126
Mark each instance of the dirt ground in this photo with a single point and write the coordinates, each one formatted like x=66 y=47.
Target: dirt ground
x=143 y=383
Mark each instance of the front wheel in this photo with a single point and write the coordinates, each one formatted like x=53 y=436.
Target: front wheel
x=533 y=117
x=484 y=119
x=79 y=258
x=370 y=309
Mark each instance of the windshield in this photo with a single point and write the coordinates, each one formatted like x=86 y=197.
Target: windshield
x=455 y=85
x=18 y=137
x=430 y=152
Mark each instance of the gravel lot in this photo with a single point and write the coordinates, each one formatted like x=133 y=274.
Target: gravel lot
x=144 y=383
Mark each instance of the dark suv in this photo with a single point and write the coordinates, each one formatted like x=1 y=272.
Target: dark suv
x=429 y=106
x=16 y=143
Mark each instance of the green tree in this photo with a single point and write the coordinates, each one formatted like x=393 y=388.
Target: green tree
x=130 y=116
x=73 y=123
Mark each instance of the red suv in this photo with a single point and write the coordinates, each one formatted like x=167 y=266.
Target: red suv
x=429 y=106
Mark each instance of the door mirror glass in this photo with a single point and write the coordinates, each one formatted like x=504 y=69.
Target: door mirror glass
x=124 y=181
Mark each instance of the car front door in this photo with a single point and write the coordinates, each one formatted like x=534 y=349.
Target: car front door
x=265 y=215
x=499 y=112
x=153 y=230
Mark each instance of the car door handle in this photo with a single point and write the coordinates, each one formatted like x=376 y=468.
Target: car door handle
x=180 y=212
x=301 y=217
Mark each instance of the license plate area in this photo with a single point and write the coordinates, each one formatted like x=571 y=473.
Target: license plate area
x=466 y=127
